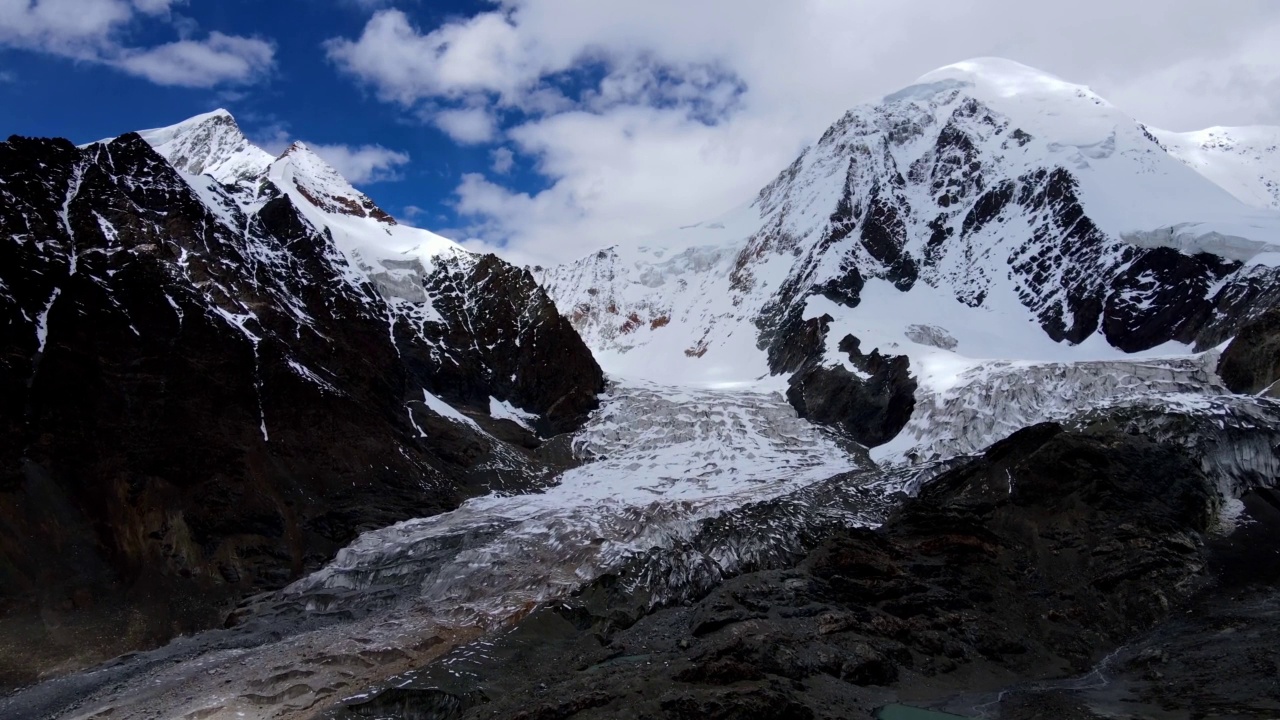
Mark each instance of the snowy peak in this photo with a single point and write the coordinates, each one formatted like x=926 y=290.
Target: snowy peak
x=1244 y=161
x=992 y=76
x=989 y=212
x=322 y=185
x=213 y=145
x=210 y=144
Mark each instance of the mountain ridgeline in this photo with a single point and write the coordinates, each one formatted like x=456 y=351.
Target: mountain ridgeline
x=983 y=210
x=204 y=396
x=243 y=405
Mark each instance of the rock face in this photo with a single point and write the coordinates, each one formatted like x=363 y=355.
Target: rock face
x=870 y=401
x=201 y=397
x=1030 y=562
x=1251 y=363
x=525 y=350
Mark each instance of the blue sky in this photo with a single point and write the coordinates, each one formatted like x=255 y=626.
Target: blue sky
x=544 y=129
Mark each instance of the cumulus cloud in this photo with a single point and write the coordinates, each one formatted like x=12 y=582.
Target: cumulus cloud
x=646 y=116
x=404 y=65
x=88 y=30
x=156 y=7
x=201 y=63
x=61 y=26
x=503 y=160
x=468 y=126
x=362 y=164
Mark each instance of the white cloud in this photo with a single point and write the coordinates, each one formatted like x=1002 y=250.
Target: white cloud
x=156 y=7
x=362 y=164
x=88 y=30
x=201 y=63
x=503 y=160
x=480 y=54
x=69 y=27
x=692 y=105
x=468 y=126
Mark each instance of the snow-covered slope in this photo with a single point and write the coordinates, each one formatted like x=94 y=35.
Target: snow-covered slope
x=397 y=258
x=989 y=212
x=667 y=311
x=210 y=144
x=1245 y=161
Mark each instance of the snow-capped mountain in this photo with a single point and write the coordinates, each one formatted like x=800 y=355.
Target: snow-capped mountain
x=1245 y=161
x=210 y=144
x=218 y=366
x=426 y=281
x=224 y=371
x=989 y=211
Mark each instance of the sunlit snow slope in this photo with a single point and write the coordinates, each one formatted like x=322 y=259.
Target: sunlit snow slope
x=989 y=213
x=212 y=145
x=1245 y=161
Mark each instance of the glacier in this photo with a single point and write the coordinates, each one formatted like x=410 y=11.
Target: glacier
x=1000 y=224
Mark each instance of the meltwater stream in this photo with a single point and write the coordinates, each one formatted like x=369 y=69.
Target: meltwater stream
x=659 y=460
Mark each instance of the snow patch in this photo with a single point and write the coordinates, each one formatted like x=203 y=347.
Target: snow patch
x=503 y=410
x=445 y=410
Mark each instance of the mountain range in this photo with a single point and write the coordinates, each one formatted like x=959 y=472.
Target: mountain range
x=990 y=212
x=229 y=376
x=220 y=366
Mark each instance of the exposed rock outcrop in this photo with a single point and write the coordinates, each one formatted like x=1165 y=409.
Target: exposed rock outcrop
x=1251 y=363
x=870 y=403
x=197 y=401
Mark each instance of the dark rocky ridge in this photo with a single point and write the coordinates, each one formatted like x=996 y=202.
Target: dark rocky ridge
x=1251 y=363
x=195 y=405
x=1030 y=563
x=524 y=351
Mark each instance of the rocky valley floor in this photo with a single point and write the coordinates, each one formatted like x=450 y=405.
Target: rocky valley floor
x=714 y=555
x=1063 y=574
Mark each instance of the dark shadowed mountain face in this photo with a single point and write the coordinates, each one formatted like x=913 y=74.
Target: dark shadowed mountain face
x=200 y=396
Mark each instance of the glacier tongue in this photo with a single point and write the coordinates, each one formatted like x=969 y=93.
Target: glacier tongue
x=989 y=401
x=658 y=460
x=660 y=463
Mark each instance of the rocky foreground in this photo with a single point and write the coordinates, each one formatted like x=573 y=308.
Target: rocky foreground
x=1067 y=572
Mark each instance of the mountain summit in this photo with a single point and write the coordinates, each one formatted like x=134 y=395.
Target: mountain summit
x=210 y=144
x=988 y=212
